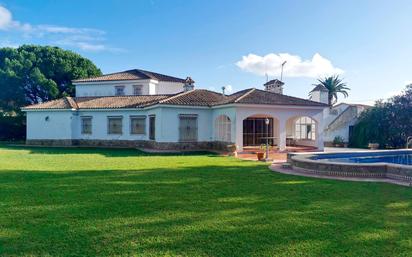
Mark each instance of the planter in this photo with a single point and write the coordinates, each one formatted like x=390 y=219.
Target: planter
x=373 y=146
x=260 y=155
x=231 y=148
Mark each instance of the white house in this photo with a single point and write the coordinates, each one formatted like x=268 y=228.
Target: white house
x=138 y=108
x=340 y=121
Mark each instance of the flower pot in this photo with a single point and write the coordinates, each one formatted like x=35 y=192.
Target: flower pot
x=231 y=148
x=260 y=156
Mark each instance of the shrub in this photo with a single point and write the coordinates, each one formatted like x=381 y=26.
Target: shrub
x=12 y=128
x=387 y=123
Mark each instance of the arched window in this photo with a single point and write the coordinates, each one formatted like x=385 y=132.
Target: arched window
x=223 y=129
x=305 y=128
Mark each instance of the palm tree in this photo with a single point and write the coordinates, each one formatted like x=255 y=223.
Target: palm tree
x=334 y=85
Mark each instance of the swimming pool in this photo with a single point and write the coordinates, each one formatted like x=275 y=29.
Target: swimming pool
x=394 y=164
x=396 y=157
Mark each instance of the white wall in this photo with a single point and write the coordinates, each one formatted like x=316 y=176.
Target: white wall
x=99 y=125
x=229 y=112
x=108 y=89
x=168 y=123
x=58 y=125
x=67 y=125
x=320 y=96
x=169 y=87
x=149 y=87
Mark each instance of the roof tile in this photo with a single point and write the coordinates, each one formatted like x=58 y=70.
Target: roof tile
x=198 y=97
x=135 y=74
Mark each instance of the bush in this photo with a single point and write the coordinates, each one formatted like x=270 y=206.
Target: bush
x=338 y=140
x=387 y=123
x=12 y=128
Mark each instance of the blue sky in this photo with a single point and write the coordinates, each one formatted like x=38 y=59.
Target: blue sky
x=234 y=43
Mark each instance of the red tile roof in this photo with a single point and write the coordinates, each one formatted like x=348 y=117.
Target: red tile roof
x=135 y=74
x=198 y=97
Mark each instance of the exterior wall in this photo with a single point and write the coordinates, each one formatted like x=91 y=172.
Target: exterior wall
x=66 y=125
x=229 y=112
x=149 y=87
x=320 y=96
x=339 y=118
x=167 y=127
x=99 y=125
x=58 y=126
x=168 y=87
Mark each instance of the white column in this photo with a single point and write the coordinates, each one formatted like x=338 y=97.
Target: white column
x=239 y=133
x=319 y=136
x=282 y=134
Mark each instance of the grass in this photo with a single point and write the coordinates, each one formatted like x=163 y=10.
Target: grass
x=88 y=202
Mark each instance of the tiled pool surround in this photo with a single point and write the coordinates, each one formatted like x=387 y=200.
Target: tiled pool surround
x=356 y=164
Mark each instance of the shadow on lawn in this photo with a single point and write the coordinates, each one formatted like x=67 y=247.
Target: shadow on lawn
x=107 y=152
x=205 y=210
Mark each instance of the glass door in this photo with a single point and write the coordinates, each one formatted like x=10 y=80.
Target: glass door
x=255 y=130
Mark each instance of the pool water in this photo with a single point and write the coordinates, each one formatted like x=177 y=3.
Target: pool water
x=396 y=157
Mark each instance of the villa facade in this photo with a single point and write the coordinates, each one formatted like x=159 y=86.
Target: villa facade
x=138 y=108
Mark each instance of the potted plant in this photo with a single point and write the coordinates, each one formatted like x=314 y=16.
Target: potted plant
x=261 y=154
x=231 y=149
x=338 y=141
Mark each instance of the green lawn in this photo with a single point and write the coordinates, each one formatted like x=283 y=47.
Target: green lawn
x=87 y=202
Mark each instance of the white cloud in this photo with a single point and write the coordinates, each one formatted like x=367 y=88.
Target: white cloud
x=87 y=39
x=270 y=64
x=228 y=89
x=5 y=18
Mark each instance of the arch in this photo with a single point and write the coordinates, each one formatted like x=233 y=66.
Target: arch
x=301 y=130
x=223 y=128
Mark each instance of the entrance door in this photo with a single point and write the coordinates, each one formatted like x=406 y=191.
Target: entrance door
x=255 y=129
x=152 y=127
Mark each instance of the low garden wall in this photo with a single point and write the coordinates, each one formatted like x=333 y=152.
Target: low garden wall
x=214 y=145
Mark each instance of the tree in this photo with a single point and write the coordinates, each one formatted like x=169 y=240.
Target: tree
x=31 y=74
x=335 y=85
x=387 y=123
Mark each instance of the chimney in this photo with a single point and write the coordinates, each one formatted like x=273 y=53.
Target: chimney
x=189 y=84
x=320 y=94
x=274 y=86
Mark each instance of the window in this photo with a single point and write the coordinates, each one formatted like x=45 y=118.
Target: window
x=137 y=90
x=223 y=129
x=152 y=127
x=305 y=128
x=138 y=125
x=86 y=125
x=187 y=128
x=115 y=125
x=119 y=90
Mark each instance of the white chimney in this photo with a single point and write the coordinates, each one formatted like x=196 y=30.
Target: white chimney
x=320 y=94
x=274 y=86
x=189 y=84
